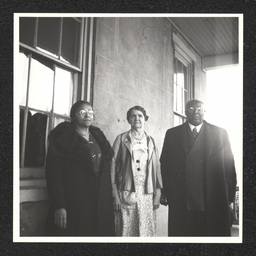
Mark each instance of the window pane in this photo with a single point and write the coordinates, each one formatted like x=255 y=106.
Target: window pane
x=58 y=120
x=27 y=30
x=181 y=73
x=49 y=35
x=181 y=84
x=63 y=91
x=35 y=140
x=180 y=79
x=177 y=120
x=23 y=77
x=179 y=99
x=70 y=40
x=175 y=78
x=40 y=86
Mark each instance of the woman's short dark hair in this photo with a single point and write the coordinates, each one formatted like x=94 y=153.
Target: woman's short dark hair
x=129 y=112
x=76 y=106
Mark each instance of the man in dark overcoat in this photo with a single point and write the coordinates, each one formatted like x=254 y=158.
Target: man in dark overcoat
x=199 y=178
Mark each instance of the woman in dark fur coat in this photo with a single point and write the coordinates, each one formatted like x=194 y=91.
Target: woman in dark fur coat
x=78 y=177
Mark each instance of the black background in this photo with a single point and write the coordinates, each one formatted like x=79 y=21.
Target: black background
x=8 y=7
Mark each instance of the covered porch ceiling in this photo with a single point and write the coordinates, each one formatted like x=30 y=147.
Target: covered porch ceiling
x=214 y=38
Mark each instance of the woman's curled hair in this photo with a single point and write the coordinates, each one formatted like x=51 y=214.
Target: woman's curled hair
x=129 y=112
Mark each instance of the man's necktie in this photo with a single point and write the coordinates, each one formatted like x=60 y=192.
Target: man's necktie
x=195 y=132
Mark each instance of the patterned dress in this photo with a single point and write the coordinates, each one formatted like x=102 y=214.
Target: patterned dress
x=137 y=215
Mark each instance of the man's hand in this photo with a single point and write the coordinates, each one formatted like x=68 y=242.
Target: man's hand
x=163 y=200
x=60 y=218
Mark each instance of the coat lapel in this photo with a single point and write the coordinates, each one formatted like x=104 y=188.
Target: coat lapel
x=127 y=143
x=182 y=137
x=150 y=147
x=209 y=140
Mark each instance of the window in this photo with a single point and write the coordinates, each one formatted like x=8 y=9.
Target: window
x=183 y=89
x=183 y=79
x=51 y=78
x=57 y=37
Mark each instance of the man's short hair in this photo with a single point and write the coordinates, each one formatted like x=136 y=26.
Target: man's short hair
x=191 y=102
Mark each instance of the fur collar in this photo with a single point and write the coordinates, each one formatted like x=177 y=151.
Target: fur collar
x=66 y=136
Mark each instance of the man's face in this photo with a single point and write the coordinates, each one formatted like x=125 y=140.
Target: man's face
x=195 y=113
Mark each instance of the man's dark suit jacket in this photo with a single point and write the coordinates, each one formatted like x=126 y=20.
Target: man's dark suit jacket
x=220 y=179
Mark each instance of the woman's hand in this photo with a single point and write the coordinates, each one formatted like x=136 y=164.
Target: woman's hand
x=156 y=200
x=117 y=203
x=116 y=198
x=60 y=218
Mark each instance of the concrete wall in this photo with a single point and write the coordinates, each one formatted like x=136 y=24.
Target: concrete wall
x=33 y=217
x=134 y=66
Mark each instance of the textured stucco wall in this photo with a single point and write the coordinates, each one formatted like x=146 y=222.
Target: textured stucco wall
x=134 y=66
x=33 y=218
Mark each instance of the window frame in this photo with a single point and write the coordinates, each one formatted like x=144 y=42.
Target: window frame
x=81 y=87
x=187 y=59
x=48 y=55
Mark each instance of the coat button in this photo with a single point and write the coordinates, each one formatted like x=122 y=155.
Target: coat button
x=137 y=161
x=138 y=169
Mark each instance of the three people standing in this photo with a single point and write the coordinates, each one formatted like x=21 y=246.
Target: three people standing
x=88 y=181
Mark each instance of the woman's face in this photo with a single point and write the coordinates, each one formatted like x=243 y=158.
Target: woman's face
x=137 y=119
x=84 y=116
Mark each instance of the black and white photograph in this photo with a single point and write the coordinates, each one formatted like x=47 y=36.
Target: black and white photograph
x=128 y=128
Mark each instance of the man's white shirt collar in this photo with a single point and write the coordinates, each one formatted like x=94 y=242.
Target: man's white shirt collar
x=198 y=127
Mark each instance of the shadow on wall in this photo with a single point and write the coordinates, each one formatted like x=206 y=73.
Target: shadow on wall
x=33 y=218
